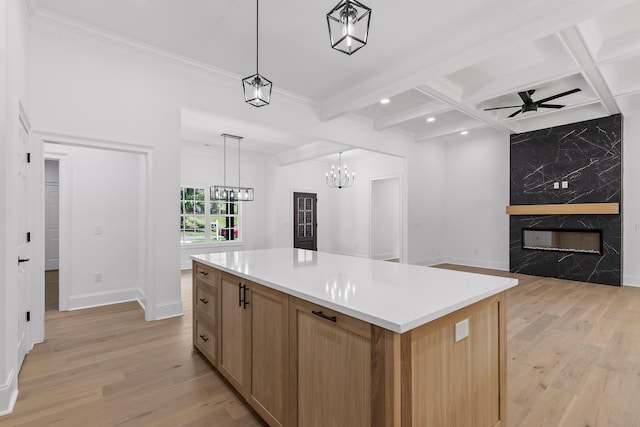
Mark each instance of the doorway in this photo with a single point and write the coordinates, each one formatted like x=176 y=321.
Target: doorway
x=385 y=224
x=52 y=234
x=305 y=221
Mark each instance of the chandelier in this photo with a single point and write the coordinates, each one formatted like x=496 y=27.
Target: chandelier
x=339 y=178
x=257 y=88
x=349 y=26
x=226 y=192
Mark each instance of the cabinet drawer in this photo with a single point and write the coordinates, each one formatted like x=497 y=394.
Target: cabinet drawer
x=206 y=297
x=204 y=273
x=205 y=338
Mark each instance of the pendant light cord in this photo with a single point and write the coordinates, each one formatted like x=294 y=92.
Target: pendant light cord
x=257 y=47
x=238 y=168
x=225 y=162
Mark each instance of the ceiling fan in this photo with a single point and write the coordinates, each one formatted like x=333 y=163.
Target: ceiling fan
x=531 y=105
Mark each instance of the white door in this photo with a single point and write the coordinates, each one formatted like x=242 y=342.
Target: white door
x=52 y=229
x=23 y=203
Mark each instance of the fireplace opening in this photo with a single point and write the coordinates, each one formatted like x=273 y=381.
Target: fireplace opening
x=580 y=241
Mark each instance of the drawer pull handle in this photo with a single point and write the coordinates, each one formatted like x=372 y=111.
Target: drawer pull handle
x=204 y=273
x=324 y=316
x=204 y=301
x=204 y=338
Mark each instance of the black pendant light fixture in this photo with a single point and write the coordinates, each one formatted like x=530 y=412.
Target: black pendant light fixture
x=349 y=26
x=257 y=89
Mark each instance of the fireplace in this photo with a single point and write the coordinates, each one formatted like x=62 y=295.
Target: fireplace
x=563 y=240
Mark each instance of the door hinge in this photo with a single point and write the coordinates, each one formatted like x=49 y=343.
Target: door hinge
x=28 y=316
x=28 y=236
x=28 y=157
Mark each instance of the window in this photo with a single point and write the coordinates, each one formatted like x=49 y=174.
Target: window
x=203 y=220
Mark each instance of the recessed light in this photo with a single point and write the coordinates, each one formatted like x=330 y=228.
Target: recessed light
x=385 y=101
x=464 y=132
x=431 y=119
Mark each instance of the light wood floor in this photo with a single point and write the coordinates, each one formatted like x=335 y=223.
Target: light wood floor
x=573 y=350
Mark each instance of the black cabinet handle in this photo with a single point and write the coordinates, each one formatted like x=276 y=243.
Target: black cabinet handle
x=204 y=338
x=204 y=273
x=244 y=298
x=204 y=301
x=324 y=316
x=239 y=294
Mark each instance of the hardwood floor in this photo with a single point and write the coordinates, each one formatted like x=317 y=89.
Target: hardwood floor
x=107 y=366
x=51 y=289
x=573 y=349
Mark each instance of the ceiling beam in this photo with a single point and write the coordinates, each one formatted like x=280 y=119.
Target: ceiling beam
x=577 y=48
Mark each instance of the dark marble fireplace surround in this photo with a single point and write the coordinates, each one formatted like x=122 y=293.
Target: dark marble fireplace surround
x=588 y=156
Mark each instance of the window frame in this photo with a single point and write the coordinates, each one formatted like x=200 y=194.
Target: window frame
x=208 y=242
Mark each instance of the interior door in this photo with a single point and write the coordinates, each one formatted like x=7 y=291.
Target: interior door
x=22 y=203
x=305 y=221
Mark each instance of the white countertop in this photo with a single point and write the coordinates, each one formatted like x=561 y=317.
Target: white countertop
x=398 y=297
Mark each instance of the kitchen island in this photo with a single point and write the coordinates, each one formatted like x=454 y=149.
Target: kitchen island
x=311 y=338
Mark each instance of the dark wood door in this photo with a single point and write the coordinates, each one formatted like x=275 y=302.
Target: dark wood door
x=305 y=221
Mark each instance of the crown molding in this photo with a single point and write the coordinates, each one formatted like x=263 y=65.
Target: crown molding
x=32 y=6
x=45 y=17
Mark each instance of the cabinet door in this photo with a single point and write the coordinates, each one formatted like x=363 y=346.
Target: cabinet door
x=330 y=367
x=267 y=379
x=232 y=330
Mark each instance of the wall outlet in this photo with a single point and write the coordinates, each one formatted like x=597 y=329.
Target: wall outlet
x=556 y=185
x=565 y=184
x=462 y=329
x=97 y=277
x=97 y=230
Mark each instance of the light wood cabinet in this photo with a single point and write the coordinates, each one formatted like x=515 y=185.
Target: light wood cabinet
x=251 y=340
x=232 y=344
x=300 y=364
x=331 y=367
x=205 y=303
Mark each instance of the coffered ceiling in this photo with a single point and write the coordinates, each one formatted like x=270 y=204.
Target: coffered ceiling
x=444 y=60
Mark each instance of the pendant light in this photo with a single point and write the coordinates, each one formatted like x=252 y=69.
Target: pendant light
x=257 y=89
x=349 y=26
x=230 y=193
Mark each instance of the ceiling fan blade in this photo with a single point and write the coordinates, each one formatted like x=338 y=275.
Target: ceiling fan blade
x=531 y=91
x=559 y=95
x=550 y=106
x=516 y=113
x=526 y=98
x=501 y=108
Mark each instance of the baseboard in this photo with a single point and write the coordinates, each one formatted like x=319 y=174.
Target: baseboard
x=480 y=263
x=142 y=299
x=629 y=280
x=98 y=299
x=169 y=309
x=8 y=394
x=384 y=256
x=427 y=261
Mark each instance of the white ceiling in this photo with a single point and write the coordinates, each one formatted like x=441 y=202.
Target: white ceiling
x=443 y=59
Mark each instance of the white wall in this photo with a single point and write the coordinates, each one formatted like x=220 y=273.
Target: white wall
x=102 y=208
x=476 y=193
x=425 y=197
x=386 y=229
x=204 y=167
x=95 y=87
x=14 y=87
x=351 y=206
x=631 y=199
x=306 y=177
